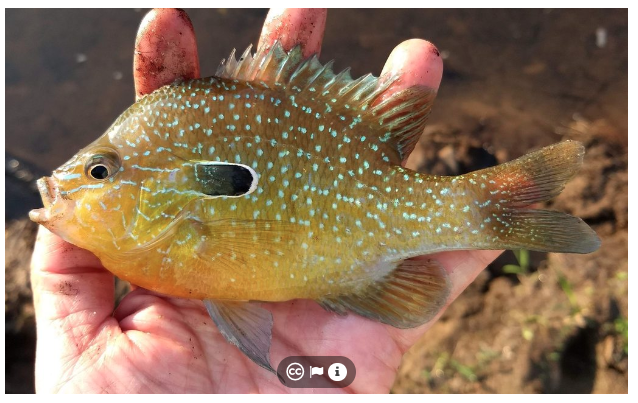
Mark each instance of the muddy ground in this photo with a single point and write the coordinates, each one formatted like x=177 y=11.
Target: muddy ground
x=514 y=80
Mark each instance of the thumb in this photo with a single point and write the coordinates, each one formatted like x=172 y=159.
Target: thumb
x=73 y=300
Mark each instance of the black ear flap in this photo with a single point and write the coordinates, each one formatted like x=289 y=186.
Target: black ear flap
x=225 y=179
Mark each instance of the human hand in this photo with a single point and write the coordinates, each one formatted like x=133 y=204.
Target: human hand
x=154 y=343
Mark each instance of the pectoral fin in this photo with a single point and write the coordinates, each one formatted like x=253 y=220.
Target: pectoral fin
x=236 y=244
x=409 y=296
x=245 y=325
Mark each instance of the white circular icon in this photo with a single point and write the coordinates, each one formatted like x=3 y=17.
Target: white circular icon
x=337 y=372
x=294 y=371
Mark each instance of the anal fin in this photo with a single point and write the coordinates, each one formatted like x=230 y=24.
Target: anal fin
x=246 y=325
x=409 y=296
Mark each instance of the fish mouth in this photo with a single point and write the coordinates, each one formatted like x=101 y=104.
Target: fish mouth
x=49 y=192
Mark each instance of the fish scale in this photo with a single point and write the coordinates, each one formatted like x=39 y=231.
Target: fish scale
x=278 y=179
x=300 y=179
x=298 y=182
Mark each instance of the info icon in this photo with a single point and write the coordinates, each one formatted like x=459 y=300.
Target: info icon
x=337 y=372
x=316 y=372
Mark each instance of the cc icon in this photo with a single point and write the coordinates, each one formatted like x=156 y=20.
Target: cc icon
x=294 y=371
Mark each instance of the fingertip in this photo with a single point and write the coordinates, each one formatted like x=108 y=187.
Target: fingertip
x=416 y=62
x=295 y=26
x=165 y=50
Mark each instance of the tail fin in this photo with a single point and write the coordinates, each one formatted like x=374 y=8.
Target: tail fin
x=539 y=176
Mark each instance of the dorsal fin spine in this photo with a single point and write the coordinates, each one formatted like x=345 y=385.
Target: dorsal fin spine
x=314 y=62
x=402 y=115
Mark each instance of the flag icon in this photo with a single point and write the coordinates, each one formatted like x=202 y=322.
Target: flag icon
x=316 y=371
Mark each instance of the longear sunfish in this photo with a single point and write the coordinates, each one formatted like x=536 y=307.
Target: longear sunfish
x=278 y=179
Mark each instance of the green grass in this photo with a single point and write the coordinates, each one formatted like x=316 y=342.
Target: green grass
x=523 y=266
x=567 y=288
x=464 y=370
x=446 y=365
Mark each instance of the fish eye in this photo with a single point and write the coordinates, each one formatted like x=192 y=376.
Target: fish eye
x=102 y=166
x=99 y=172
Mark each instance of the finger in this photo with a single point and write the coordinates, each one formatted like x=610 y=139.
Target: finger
x=292 y=26
x=165 y=50
x=414 y=62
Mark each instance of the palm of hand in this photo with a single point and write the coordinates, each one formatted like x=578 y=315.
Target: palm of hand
x=153 y=343
x=160 y=345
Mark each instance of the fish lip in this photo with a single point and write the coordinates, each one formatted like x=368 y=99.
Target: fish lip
x=40 y=215
x=48 y=190
x=49 y=193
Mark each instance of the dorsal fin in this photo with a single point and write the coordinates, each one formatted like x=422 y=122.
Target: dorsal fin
x=402 y=115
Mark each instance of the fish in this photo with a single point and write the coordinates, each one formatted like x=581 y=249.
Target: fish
x=279 y=179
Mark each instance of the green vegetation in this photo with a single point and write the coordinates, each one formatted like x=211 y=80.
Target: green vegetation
x=522 y=257
x=567 y=288
x=486 y=355
x=447 y=366
x=464 y=370
x=528 y=334
x=621 y=326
